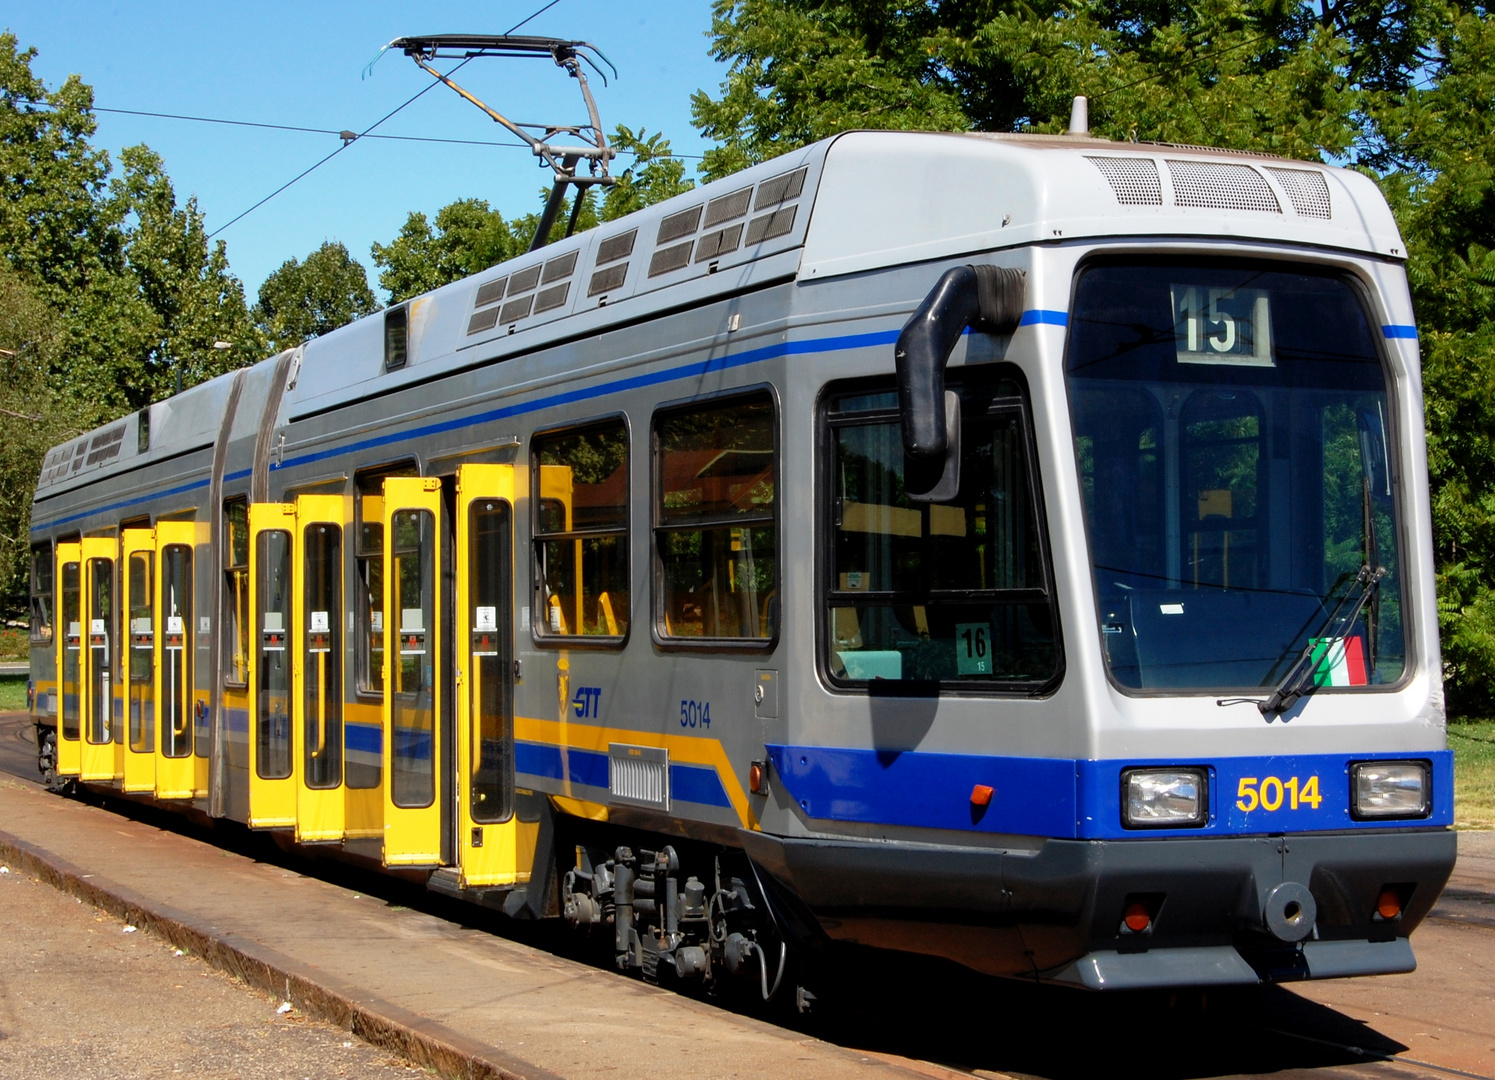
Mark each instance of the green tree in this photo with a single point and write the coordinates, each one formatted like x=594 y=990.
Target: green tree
x=55 y=225
x=1300 y=79
x=303 y=300
x=468 y=237
x=654 y=175
x=33 y=416
x=801 y=70
x=1441 y=137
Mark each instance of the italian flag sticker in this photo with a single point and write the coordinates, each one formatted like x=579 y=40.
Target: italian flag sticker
x=1338 y=661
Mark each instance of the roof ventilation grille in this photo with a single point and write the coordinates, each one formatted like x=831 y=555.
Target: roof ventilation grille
x=520 y=299
x=1217 y=186
x=1134 y=179
x=1307 y=189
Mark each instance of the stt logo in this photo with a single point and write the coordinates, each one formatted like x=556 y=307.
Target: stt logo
x=586 y=702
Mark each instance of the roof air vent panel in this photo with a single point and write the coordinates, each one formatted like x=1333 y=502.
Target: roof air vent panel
x=779 y=189
x=1306 y=189
x=1221 y=186
x=524 y=281
x=1134 y=179
x=616 y=247
x=728 y=207
x=677 y=225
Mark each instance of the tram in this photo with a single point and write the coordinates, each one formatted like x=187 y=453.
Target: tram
x=1006 y=548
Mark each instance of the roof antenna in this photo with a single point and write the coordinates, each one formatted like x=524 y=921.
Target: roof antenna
x=591 y=144
x=1079 y=116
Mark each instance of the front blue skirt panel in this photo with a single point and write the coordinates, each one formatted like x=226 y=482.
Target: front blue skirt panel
x=1078 y=799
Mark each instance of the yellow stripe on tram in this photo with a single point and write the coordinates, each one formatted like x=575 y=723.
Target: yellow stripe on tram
x=685 y=749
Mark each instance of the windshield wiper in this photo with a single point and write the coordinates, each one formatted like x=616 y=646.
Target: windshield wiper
x=1300 y=679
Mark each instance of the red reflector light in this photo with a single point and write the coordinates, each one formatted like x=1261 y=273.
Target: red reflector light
x=981 y=795
x=1389 y=904
x=1136 y=918
x=755 y=778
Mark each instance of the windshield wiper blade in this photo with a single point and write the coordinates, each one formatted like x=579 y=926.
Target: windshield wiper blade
x=1299 y=681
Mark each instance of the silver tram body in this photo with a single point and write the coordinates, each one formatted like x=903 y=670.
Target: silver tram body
x=711 y=676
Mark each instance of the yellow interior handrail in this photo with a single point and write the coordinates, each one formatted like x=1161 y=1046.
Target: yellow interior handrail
x=560 y=614
x=605 y=604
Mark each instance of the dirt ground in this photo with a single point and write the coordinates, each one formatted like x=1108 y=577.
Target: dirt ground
x=83 y=997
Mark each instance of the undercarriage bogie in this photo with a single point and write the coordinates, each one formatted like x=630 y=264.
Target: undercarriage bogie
x=666 y=920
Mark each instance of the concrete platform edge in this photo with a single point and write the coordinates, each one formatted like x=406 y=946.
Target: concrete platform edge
x=378 y=1022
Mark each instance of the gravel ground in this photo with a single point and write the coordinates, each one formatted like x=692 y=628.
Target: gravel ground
x=84 y=997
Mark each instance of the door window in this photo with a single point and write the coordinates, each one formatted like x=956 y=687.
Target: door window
x=323 y=708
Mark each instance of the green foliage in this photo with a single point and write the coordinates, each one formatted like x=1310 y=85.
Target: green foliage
x=34 y=418
x=109 y=289
x=805 y=69
x=654 y=176
x=303 y=300
x=469 y=236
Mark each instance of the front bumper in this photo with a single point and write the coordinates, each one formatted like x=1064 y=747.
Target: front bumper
x=1057 y=914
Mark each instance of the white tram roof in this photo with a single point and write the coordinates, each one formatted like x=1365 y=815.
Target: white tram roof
x=856 y=202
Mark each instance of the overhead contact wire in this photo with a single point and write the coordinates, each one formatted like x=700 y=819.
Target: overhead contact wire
x=349 y=142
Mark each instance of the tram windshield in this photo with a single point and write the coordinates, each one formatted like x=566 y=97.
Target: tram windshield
x=1233 y=436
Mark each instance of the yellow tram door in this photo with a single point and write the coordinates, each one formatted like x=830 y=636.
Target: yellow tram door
x=317 y=668
x=272 y=785
x=412 y=671
x=494 y=846
x=176 y=771
x=138 y=550
x=69 y=580
x=97 y=750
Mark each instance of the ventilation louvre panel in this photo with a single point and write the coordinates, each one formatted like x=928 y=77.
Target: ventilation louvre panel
x=490 y=292
x=670 y=258
x=639 y=775
x=524 y=280
x=616 y=247
x=727 y=207
x=716 y=244
x=1221 y=186
x=1135 y=180
x=556 y=269
x=1306 y=189
x=608 y=279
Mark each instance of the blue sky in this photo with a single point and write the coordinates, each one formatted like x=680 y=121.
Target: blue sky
x=302 y=64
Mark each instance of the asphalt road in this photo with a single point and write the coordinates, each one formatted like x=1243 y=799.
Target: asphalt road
x=1438 y=1021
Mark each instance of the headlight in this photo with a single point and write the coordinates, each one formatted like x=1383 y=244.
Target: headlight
x=1391 y=789
x=1163 y=798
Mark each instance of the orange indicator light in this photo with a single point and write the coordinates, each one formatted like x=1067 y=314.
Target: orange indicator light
x=981 y=795
x=1137 y=919
x=1389 y=905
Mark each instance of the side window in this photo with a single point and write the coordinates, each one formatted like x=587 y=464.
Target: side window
x=715 y=529
x=236 y=592
x=367 y=594
x=41 y=593
x=581 y=532
x=950 y=592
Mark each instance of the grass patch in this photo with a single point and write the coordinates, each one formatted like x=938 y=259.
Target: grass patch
x=13 y=692
x=1473 y=746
